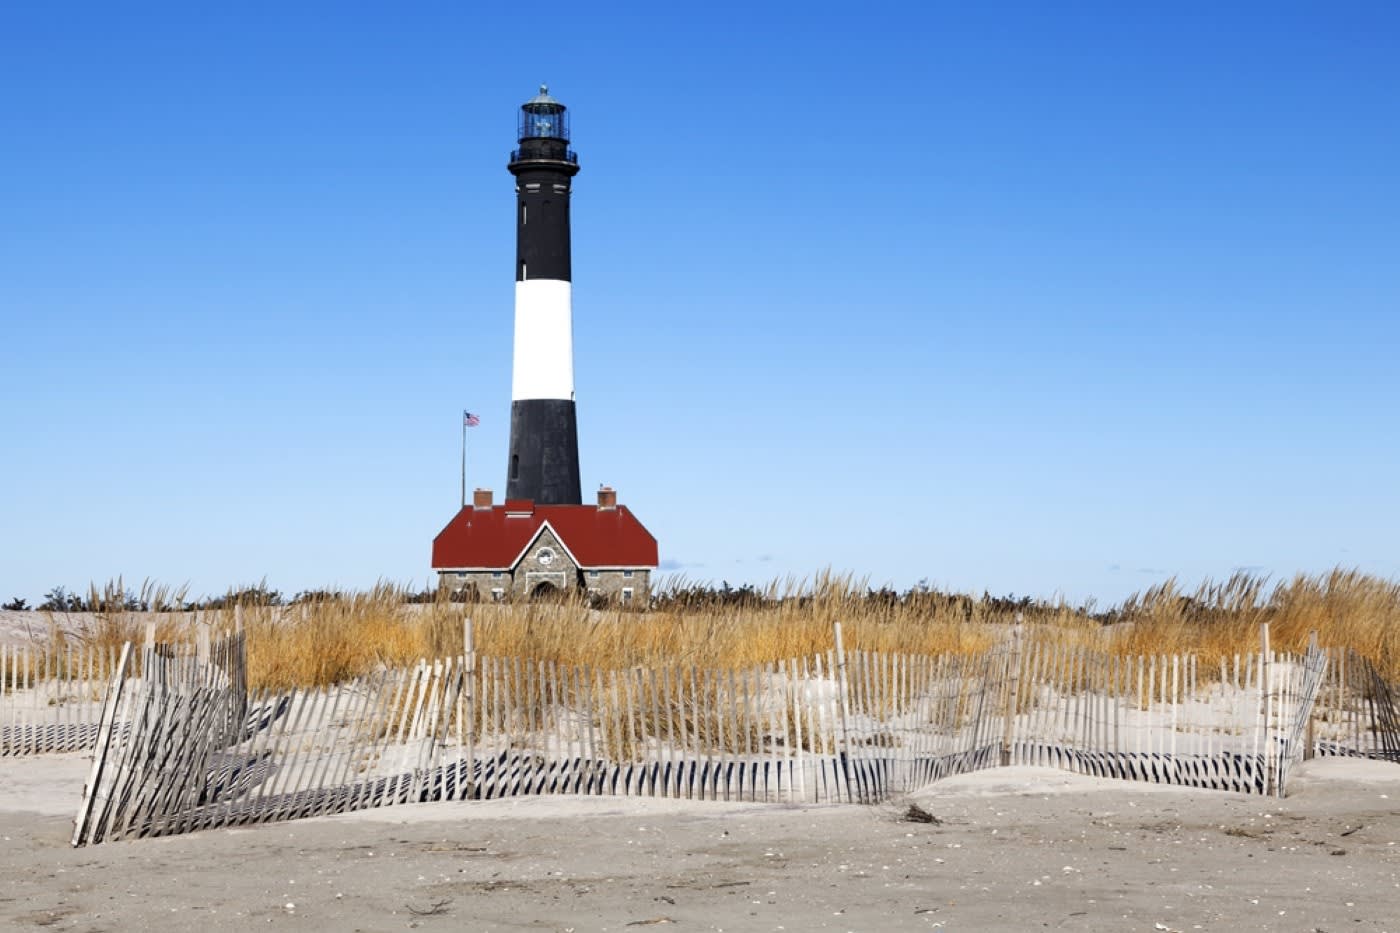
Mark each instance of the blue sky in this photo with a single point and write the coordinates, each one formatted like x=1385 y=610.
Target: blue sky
x=1034 y=298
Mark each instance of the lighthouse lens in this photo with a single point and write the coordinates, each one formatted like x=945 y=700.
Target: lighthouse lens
x=544 y=124
x=539 y=124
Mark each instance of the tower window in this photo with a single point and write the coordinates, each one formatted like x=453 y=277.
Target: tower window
x=515 y=466
x=524 y=214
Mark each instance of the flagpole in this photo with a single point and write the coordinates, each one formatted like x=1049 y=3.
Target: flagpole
x=464 y=459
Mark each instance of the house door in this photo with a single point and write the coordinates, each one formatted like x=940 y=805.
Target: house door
x=545 y=583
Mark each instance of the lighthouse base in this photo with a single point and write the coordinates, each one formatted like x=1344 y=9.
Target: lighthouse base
x=544 y=452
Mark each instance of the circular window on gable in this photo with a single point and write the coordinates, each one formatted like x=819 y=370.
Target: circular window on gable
x=545 y=556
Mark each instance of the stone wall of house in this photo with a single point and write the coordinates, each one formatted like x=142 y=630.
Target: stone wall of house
x=484 y=582
x=545 y=562
x=612 y=584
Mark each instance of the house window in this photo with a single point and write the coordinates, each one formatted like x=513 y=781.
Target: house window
x=497 y=594
x=495 y=575
x=627 y=573
x=545 y=556
x=626 y=595
x=593 y=574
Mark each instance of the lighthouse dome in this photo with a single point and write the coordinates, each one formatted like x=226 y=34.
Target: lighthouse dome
x=543 y=103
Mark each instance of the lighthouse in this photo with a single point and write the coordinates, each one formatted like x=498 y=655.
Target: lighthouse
x=543 y=539
x=543 y=462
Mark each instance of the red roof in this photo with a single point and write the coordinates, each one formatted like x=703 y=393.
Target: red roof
x=497 y=537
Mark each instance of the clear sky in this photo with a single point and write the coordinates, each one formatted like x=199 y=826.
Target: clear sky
x=1037 y=298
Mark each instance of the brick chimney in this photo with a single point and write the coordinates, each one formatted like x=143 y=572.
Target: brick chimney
x=607 y=499
x=481 y=499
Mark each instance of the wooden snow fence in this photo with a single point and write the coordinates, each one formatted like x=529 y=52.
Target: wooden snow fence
x=825 y=728
x=1161 y=719
x=157 y=731
x=1357 y=711
x=857 y=726
x=198 y=755
x=51 y=697
x=910 y=720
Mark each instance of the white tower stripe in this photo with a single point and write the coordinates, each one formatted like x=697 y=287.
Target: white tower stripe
x=544 y=340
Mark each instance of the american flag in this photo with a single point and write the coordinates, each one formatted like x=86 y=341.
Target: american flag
x=470 y=420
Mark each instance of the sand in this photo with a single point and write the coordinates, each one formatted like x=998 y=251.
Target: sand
x=1015 y=849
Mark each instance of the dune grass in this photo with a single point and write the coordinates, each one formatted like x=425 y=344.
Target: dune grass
x=339 y=636
x=1345 y=608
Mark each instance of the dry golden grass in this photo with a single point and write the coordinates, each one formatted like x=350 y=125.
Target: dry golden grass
x=113 y=623
x=1345 y=608
x=337 y=638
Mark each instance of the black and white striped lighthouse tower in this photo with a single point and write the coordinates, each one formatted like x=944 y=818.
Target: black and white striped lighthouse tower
x=543 y=425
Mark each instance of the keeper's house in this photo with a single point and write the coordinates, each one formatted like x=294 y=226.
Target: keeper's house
x=522 y=550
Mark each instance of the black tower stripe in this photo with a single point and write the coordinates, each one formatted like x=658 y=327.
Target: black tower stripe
x=544 y=452
x=542 y=224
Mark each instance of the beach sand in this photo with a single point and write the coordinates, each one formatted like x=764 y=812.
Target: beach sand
x=1013 y=849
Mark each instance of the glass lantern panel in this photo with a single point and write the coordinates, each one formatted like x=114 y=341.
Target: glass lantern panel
x=542 y=126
